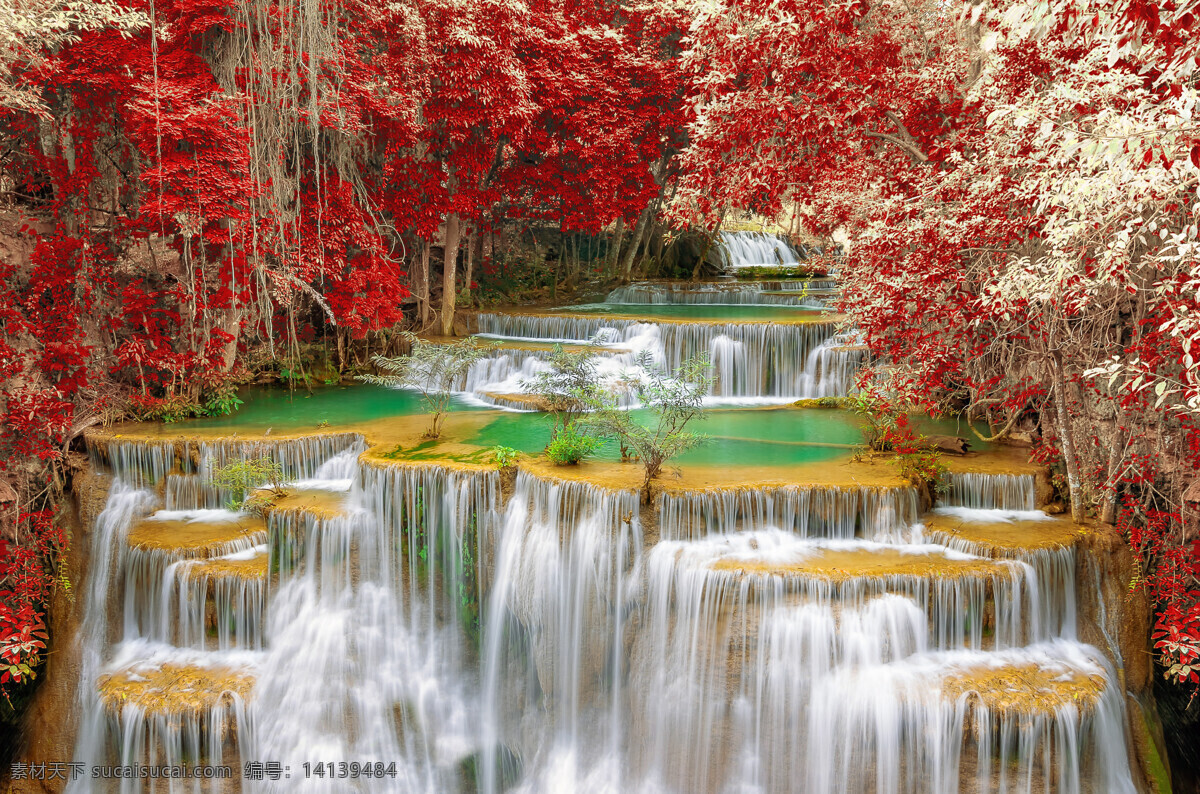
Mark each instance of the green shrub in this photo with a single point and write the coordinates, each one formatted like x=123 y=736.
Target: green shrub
x=570 y=384
x=504 y=457
x=824 y=402
x=780 y=272
x=173 y=408
x=222 y=403
x=923 y=466
x=243 y=476
x=569 y=446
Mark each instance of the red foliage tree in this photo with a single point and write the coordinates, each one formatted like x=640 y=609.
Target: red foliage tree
x=1017 y=183
x=192 y=179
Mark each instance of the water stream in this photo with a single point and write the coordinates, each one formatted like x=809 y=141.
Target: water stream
x=446 y=630
x=756 y=249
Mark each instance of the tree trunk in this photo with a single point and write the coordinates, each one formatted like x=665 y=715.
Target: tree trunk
x=1066 y=438
x=449 y=274
x=708 y=246
x=634 y=243
x=421 y=283
x=1108 y=510
x=232 y=326
x=474 y=254
x=577 y=257
x=615 y=252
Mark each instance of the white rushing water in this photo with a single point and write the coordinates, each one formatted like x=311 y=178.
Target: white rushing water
x=753 y=362
x=756 y=249
x=793 y=639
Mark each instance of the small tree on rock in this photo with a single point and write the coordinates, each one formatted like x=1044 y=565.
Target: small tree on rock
x=674 y=399
x=570 y=387
x=241 y=477
x=434 y=369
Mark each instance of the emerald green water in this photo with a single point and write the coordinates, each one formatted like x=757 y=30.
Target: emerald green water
x=685 y=311
x=744 y=437
x=747 y=436
x=294 y=410
x=735 y=436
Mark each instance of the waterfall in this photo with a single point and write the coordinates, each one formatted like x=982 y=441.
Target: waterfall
x=298 y=457
x=124 y=504
x=760 y=360
x=765 y=667
x=755 y=293
x=1000 y=491
x=568 y=563
x=186 y=600
x=1053 y=557
x=503 y=372
x=369 y=631
x=137 y=464
x=808 y=511
x=556 y=635
x=885 y=727
x=812 y=284
x=831 y=367
x=702 y=668
x=176 y=684
x=756 y=249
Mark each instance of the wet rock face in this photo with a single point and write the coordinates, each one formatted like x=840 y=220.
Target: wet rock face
x=1044 y=489
x=1117 y=619
x=52 y=717
x=1114 y=617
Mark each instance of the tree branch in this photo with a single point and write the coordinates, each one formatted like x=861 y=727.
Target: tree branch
x=910 y=149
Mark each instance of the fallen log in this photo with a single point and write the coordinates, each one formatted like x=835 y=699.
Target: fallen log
x=953 y=445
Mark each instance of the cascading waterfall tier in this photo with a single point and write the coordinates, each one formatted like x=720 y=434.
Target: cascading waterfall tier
x=176 y=684
x=756 y=249
x=502 y=372
x=966 y=596
x=1045 y=543
x=370 y=632
x=832 y=368
x=192 y=576
x=750 y=359
x=552 y=634
x=989 y=491
x=138 y=464
x=811 y=292
x=567 y=574
x=1029 y=719
x=785 y=664
x=300 y=458
x=808 y=511
x=174 y=714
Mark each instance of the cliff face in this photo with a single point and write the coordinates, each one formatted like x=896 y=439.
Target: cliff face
x=48 y=735
x=1117 y=619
